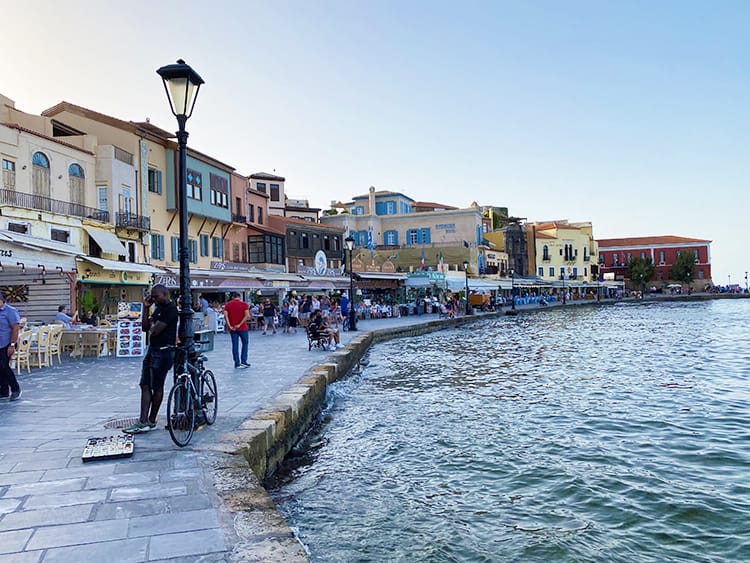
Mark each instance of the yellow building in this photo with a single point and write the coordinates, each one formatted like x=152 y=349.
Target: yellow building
x=561 y=250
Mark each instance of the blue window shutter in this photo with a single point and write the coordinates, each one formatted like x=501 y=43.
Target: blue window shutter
x=426 y=236
x=158 y=182
x=161 y=247
x=380 y=208
x=175 y=249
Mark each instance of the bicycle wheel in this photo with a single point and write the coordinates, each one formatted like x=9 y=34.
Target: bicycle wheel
x=210 y=396
x=181 y=413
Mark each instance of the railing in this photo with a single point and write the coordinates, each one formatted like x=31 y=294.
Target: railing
x=239 y=218
x=42 y=203
x=132 y=221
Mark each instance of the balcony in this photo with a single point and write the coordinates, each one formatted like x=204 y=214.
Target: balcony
x=132 y=221
x=41 y=203
x=239 y=218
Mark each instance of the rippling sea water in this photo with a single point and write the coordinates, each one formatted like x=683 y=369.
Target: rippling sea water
x=617 y=433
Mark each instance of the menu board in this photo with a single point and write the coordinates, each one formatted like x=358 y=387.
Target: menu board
x=108 y=447
x=130 y=340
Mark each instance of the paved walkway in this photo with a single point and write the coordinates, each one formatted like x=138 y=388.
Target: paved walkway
x=159 y=505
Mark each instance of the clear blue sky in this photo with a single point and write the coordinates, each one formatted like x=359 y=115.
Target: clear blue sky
x=634 y=115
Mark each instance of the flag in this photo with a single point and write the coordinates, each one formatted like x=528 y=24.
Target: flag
x=421 y=259
x=370 y=244
x=440 y=262
x=466 y=244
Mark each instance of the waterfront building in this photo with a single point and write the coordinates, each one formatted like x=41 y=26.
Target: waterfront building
x=562 y=250
x=615 y=255
x=300 y=209
x=273 y=186
x=388 y=231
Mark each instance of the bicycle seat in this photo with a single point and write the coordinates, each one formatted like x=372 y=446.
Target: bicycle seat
x=202 y=358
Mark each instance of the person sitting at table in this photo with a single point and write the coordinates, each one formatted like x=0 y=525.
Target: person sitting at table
x=319 y=326
x=90 y=319
x=63 y=317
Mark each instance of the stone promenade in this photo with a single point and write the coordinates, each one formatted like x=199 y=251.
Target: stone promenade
x=160 y=505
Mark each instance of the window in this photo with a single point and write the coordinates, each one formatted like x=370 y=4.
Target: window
x=700 y=274
x=250 y=213
x=9 y=175
x=18 y=228
x=601 y=259
x=267 y=249
x=695 y=255
x=175 y=249
x=585 y=273
x=157 y=247
x=424 y=236
x=126 y=202
x=575 y=273
x=304 y=241
x=244 y=252
x=335 y=244
x=193 y=248
x=643 y=255
x=274 y=192
x=40 y=174
x=204 y=245
x=359 y=210
x=391 y=207
x=77 y=184
x=412 y=236
x=614 y=259
x=219 y=191
x=326 y=243
x=545 y=252
x=260 y=215
x=630 y=257
x=59 y=235
x=540 y=271
x=154 y=181
x=552 y=271
x=390 y=237
x=194 y=185
x=217 y=247
x=102 y=198
x=261 y=187
x=661 y=257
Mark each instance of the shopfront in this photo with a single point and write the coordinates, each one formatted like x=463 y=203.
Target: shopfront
x=102 y=284
x=37 y=275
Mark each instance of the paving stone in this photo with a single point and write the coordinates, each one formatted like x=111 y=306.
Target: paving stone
x=20 y=478
x=125 y=479
x=45 y=488
x=10 y=542
x=176 y=522
x=187 y=543
x=65 y=499
x=8 y=505
x=75 y=534
x=132 y=509
x=49 y=517
x=144 y=466
x=121 y=551
x=23 y=557
x=189 y=502
x=84 y=470
x=187 y=474
x=146 y=492
x=35 y=464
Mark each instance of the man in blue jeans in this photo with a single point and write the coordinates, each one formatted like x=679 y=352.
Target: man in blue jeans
x=236 y=315
x=9 y=325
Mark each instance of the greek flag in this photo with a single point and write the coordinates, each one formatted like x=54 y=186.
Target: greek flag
x=370 y=244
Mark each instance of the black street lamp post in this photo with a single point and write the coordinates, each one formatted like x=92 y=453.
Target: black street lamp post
x=512 y=289
x=349 y=241
x=466 y=272
x=182 y=84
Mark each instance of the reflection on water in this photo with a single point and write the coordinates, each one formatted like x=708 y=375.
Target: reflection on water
x=590 y=434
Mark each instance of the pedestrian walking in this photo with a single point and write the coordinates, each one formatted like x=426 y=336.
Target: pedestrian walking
x=10 y=322
x=269 y=312
x=236 y=315
x=161 y=326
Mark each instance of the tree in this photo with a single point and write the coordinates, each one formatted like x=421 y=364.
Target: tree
x=683 y=269
x=640 y=271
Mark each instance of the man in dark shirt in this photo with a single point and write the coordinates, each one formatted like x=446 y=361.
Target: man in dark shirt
x=161 y=326
x=269 y=314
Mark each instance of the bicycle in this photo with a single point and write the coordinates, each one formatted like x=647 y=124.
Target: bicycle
x=194 y=390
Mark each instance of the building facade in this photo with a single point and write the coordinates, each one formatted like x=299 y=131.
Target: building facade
x=614 y=255
x=560 y=250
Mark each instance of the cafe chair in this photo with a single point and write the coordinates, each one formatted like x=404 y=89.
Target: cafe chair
x=55 y=343
x=22 y=355
x=104 y=323
x=94 y=343
x=40 y=348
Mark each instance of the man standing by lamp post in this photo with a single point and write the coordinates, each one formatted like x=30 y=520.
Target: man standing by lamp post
x=182 y=84
x=466 y=272
x=512 y=290
x=349 y=241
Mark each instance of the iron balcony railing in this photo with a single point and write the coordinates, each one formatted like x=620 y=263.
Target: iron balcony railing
x=42 y=203
x=132 y=221
x=239 y=218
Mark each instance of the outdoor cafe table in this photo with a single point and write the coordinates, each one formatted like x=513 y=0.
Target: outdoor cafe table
x=74 y=337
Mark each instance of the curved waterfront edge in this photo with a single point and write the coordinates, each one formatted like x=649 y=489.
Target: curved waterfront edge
x=262 y=441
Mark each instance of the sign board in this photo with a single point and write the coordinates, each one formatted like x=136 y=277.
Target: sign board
x=321 y=263
x=131 y=341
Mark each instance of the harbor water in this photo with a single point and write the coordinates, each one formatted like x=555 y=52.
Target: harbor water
x=618 y=433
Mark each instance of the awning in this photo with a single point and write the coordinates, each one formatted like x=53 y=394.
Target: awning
x=122 y=266
x=108 y=242
x=379 y=276
x=40 y=244
x=417 y=282
x=242 y=283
